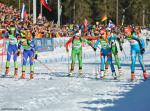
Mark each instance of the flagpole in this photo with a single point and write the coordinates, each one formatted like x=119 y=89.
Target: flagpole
x=58 y=13
x=106 y=11
x=19 y=4
x=34 y=11
x=117 y=20
x=41 y=10
x=29 y=6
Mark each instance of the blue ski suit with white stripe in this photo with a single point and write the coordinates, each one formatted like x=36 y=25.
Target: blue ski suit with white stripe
x=136 y=45
x=105 y=52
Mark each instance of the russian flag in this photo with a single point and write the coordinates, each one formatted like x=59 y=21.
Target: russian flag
x=23 y=12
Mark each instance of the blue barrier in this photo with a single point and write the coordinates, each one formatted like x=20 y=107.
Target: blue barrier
x=44 y=44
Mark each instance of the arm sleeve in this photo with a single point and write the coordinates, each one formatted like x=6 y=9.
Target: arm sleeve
x=142 y=43
x=97 y=43
x=91 y=37
x=85 y=40
x=68 y=42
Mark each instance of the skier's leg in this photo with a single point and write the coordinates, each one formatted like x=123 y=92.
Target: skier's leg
x=15 y=61
x=102 y=61
x=25 y=56
x=140 y=58
x=31 y=57
x=106 y=66
x=73 y=60
x=102 y=64
x=80 y=60
x=9 y=52
x=117 y=61
x=133 y=60
x=111 y=65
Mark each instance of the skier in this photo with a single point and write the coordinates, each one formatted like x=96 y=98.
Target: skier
x=113 y=39
x=12 y=49
x=29 y=50
x=76 y=41
x=105 y=52
x=137 y=49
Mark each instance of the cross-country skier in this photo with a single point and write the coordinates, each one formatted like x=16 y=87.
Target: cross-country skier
x=113 y=39
x=76 y=41
x=29 y=51
x=12 y=49
x=105 y=52
x=137 y=50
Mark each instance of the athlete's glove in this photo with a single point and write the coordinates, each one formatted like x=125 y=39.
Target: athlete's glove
x=94 y=48
x=18 y=52
x=121 y=48
x=67 y=49
x=142 y=51
x=35 y=57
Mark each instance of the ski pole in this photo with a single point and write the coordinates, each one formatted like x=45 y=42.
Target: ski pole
x=124 y=53
x=4 y=44
x=44 y=65
x=95 y=65
x=68 y=61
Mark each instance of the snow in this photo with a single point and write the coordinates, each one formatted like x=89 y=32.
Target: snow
x=51 y=90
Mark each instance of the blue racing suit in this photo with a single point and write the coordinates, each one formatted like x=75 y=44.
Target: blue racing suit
x=29 y=51
x=12 y=49
x=105 y=52
x=136 y=44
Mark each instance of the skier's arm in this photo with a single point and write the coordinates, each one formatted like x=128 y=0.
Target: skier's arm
x=143 y=43
x=97 y=43
x=85 y=40
x=68 y=42
x=143 y=46
x=120 y=44
x=91 y=37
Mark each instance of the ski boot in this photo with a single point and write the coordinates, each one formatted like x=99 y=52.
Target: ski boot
x=71 y=73
x=132 y=76
x=23 y=75
x=16 y=72
x=120 y=71
x=102 y=75
x=114 y=75
x=71 y=70
x=31 y=75
x=145 y=75
x=80 y=73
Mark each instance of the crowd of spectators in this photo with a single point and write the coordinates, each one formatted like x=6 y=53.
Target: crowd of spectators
x=10 y=16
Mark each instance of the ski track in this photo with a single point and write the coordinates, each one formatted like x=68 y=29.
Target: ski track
x=66 y=94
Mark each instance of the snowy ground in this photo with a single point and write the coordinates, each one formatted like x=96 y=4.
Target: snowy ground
x=51 y=90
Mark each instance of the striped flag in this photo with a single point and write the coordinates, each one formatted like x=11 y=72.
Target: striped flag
x=104 y=18
x=43 y=2
x=23 y=12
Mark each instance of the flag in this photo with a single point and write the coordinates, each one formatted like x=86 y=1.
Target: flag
x=104 y=18
x=23 y=12
x=43 y=2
